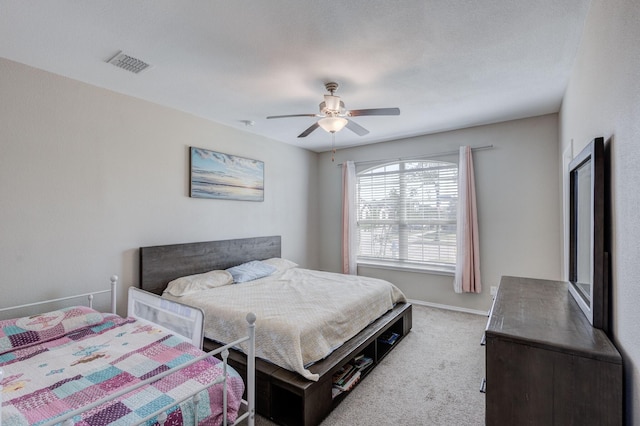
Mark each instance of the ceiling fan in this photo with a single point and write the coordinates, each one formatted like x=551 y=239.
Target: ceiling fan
x=334 y=117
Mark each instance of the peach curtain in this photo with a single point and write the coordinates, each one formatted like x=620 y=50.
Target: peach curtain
x=349 y=220
x=467 y=277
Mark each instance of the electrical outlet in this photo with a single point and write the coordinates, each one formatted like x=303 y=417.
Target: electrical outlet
x=494 y=290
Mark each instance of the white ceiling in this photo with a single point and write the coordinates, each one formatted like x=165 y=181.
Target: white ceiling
x=445 y=64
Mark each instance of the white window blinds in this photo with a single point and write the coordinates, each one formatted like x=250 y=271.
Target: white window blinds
x=407 y=214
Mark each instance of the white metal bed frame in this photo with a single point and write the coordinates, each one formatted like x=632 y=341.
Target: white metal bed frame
x=178 y=310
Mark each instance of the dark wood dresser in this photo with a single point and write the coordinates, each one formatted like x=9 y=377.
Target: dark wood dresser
x=545 y=364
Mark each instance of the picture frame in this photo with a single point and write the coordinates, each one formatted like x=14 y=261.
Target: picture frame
x=224 y=176
x=588 y=258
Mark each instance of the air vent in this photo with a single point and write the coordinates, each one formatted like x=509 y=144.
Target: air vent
x=128 y=63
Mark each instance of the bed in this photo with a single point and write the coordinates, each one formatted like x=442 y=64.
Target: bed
x=75 y=365
x=300 y=393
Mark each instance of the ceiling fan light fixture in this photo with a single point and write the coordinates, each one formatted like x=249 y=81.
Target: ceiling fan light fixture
x=332 y=124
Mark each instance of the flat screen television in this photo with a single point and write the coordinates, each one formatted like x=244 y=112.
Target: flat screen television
x=588 y=260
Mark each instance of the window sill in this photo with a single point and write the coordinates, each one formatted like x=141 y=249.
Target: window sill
x=408 y=268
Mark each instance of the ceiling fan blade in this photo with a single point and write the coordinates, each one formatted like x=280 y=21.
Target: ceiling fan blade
x=293 y=115
x=374 y=111
x=356 y=128
x=309 y=130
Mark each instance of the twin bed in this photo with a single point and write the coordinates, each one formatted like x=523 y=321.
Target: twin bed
x=310 y=323
x=75 y=365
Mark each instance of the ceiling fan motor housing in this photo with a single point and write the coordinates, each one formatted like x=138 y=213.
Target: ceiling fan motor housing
x=332 y=106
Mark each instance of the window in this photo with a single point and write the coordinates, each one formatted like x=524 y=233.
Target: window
x=407 y=215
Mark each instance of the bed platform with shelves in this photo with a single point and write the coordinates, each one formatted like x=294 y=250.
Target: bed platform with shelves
x=282 y=396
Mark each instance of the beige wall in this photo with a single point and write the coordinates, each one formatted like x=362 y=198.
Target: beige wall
x=518 y=196
x=87 y=176
x=603 y=99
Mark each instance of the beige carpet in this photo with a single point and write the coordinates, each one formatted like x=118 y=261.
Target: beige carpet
x=432 y=378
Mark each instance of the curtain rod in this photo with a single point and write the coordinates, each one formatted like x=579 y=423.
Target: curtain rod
x=437 y=154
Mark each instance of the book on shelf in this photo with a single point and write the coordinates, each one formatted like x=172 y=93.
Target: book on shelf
x=388 y=338
x=344 y=379
x=335 y=392
x=343 y=374
x=362 y=362
x=350 y=383
x=349 y=374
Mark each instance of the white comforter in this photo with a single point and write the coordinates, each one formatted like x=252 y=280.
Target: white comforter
x=303 y=315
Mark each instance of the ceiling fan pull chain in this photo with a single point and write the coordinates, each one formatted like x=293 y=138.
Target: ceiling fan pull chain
x=333 y=146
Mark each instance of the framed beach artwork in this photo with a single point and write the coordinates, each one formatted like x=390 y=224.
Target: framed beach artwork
x=226 y=177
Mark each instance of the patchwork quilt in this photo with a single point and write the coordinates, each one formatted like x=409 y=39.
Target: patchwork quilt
x=59 y=361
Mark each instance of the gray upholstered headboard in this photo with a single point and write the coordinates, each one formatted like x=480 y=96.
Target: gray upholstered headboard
x=161 y=264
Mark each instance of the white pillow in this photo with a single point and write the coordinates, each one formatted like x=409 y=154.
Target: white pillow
x=251 y=271
x=280 y=264
x=199 y=282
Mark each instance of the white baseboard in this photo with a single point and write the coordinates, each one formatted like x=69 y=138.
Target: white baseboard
x=449 y=307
